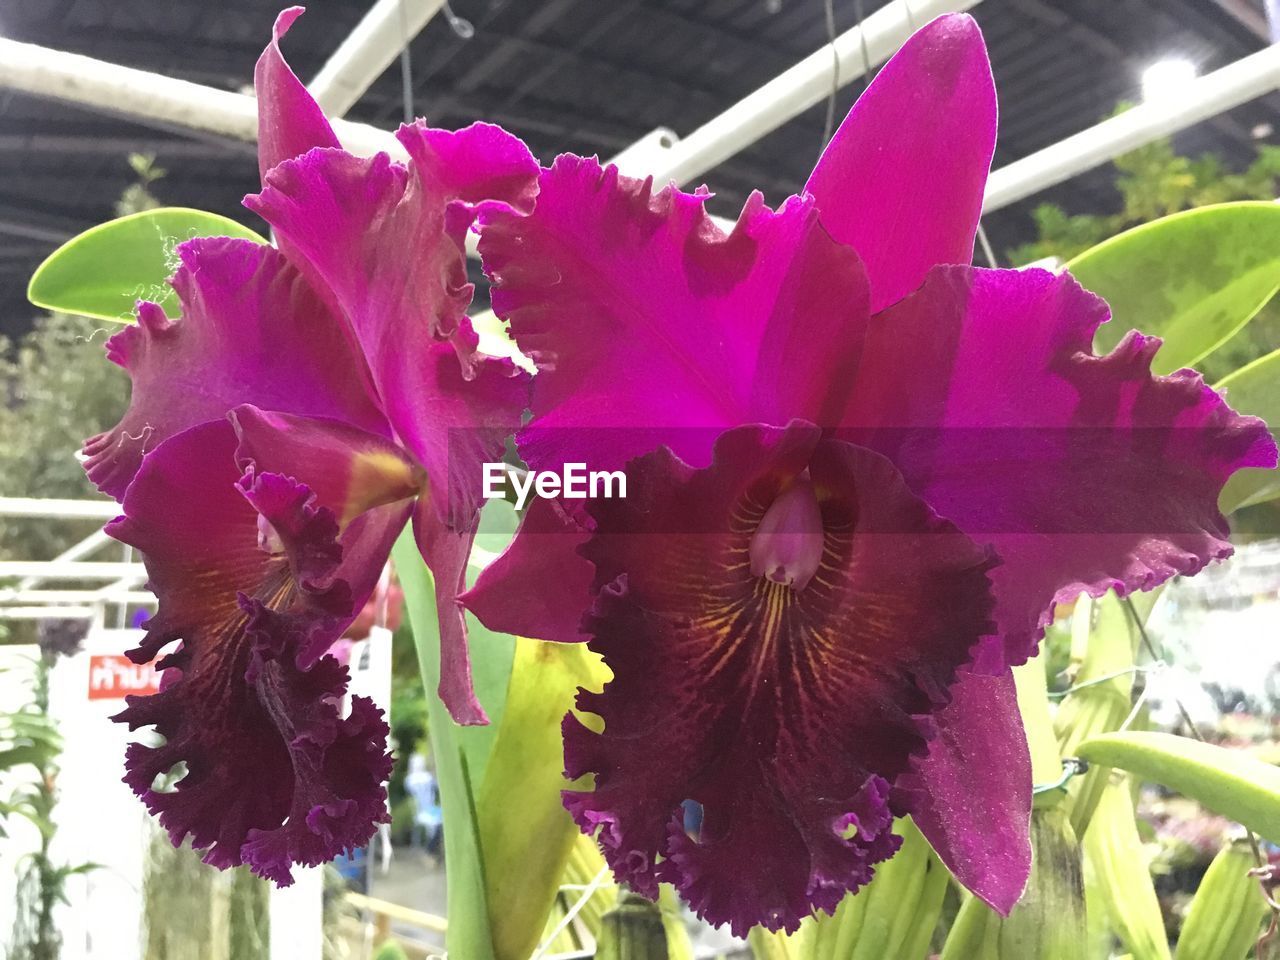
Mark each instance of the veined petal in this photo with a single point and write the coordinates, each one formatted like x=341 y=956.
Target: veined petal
x=274 y=775
x=290 y=122
x=785 y=714
x=251 y=331
x=644 y=318
x=903 y=177
x=386 y=242
x=540 y=586
x=974 y=804
x=983 y=389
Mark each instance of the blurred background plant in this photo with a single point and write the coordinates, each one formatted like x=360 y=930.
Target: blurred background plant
x=29 y=738
x=1155 y=181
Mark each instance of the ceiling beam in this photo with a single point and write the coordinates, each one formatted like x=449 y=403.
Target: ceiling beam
x=1248 y=16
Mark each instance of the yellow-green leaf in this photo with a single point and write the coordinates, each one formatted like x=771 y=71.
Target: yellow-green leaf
x=525 y=855
x=103 y=271
x=1194 y=278
x=1229 y=782
x=1253 y=389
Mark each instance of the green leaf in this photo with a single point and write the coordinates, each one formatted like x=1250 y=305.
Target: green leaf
x=468 y=932
x=1253 y=389
x=492 y=653
x=1194 y=278
x=525 y=856
x=1228 y=782
x=101 y=272
x=35 y=755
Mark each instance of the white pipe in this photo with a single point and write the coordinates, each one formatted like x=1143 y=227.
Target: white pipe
x=47 y=613
x=111 y=88
x=71 y=569
x=77 y=551
x=112 y=591
x=78 y=596
x=368 y=50
x=1205 y=97
x=63 y=509
x=646 y=154
x=795 y=90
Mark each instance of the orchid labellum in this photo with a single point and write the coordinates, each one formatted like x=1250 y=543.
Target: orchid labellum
x=861 y=474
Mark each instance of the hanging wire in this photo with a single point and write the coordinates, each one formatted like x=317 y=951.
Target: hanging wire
x=1107 y=677
x=406 y=66
x=1071 y=767
x=987 y=250
x=461 y=26
x=828 y=127
x=828 y=7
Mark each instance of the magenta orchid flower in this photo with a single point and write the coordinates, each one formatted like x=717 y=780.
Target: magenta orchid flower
x=308 y=402
x=877 y=470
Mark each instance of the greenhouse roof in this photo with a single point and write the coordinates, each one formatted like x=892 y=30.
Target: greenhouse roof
x=578 y=75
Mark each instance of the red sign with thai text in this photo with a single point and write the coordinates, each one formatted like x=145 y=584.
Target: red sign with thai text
x=113 y=676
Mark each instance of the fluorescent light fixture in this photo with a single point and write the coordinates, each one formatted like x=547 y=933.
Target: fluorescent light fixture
x=1165 y=79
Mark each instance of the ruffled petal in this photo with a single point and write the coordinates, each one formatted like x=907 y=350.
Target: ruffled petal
x=975 y=802
x=386 y=242
x=902 y=179
x=255 y=581
x=540 y=586
x=251 y=331
x=290 y=122
x=785 y=714
x=649 y=325
x=1085 y=473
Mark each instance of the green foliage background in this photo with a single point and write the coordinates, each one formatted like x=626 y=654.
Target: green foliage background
x=1155 y=181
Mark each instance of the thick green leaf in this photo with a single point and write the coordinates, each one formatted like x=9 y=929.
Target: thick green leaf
x=1228 y=782
x=1121 y=872
x=525 y=855
x=1194 y=278
x=101 y=272
x=468 y=933
x=1227 y=913
x=1253 y=389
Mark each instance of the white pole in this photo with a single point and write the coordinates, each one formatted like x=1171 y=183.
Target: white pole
x=93 y=83
x=795 y=90
x=46 y=612
x=63 y=509
x=1205 y=97
x=368 y=50
x=111 y=88
x=77 y=551
x=71 y=569
x=646 y=154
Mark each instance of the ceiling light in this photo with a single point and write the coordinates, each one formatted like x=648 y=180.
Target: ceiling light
x=1167 y=78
